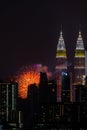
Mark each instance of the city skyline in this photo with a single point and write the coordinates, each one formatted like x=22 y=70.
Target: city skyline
x=29 y=32
x=41 y=109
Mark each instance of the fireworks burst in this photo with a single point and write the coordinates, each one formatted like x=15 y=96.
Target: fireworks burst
x=25 y=77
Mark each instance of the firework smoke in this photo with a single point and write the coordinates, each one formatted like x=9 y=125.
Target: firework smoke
x=25 y=77
x=29 y=75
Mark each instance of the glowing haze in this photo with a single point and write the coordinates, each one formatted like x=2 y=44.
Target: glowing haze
x=29 y=75
x=24 y=78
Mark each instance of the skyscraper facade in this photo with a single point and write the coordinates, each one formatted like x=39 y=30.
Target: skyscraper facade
x=61 y=57
x=79 y=59
x=8 y=102
x=65 y=95
x=86 y=62
x=61 y=63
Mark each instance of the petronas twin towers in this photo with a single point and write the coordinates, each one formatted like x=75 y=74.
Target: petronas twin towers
x=79 y=57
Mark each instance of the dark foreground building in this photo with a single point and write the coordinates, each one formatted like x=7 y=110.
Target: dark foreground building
x=10 y=116
x=44 y=112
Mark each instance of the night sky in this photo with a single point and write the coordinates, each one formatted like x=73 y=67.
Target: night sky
x=29 y=32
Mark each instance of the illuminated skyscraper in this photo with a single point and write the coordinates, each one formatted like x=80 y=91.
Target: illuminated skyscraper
x=61 y=57
x=79 y=60
x=61 y=63
x=86 y=62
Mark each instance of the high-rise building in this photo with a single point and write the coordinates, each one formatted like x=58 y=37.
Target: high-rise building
x=81 y=93
x=61 y=63
x=86 y=62
x=61 y=57
x=43 y=88
x=59 y=88
x=65 y=92
x=79 y=59
x=32 y=104
x=52 y=92
x=81 y=100
x=8 y=102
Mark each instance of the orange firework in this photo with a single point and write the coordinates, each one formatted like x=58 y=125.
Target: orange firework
x=26 y=78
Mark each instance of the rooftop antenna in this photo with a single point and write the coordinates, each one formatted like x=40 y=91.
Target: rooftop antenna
x=79 y=27
x=61 y=28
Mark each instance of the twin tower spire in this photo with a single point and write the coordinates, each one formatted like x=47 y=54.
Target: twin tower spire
x=79 y=59
x=61 y=43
